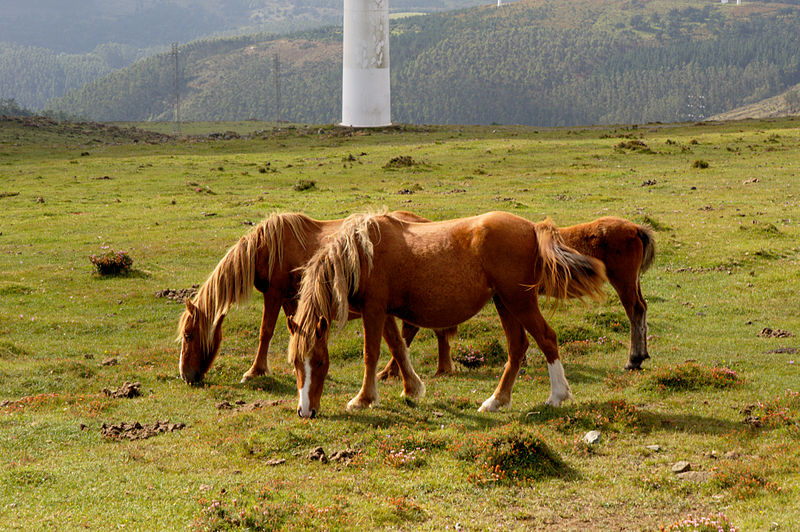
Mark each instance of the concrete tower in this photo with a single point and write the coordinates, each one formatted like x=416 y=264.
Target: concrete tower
x=366 y=94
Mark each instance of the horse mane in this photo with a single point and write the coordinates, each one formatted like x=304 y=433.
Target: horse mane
x=331 y=276
x=232 y=280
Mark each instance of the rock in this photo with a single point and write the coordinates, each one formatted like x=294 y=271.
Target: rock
x=318 y=453
x=592 y=437
x=110 y=362
x=276 y=461
x=694 y=476
x=653 y=448
x=731 y=455
x=681 y=467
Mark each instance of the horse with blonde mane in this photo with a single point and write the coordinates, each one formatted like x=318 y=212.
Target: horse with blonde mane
x=435 y=275
x=268 y=258
x=625 y=248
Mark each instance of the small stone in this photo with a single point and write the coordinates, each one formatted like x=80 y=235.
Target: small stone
x=694 y=476
x=731 y=455
x=653 y=448
x=681 y=467
x=592 y=437
x=276 y=461
x=110 y=362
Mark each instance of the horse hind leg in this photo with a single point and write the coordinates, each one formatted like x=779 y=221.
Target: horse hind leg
x=413 y=387
x=445 y=365
x=517 y=345
x=636 y=308
x=392 y=368
x=529 y=315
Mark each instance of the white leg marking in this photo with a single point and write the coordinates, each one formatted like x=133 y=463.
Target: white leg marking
x=490 y=405
x=305 y=401
x=559 y=387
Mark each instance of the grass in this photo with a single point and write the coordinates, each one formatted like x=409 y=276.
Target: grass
x=726 y=267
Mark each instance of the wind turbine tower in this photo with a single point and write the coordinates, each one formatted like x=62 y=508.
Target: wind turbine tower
x=366 y=94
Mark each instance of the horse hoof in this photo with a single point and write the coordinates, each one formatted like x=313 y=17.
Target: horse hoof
x=357 y=404
x=415 y=395
x=555 y=401
x=490 y=405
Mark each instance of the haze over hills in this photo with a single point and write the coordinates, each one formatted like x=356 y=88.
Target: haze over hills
x=540 y=62
x=48 y=47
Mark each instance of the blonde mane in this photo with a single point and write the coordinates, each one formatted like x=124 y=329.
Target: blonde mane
x=331 y=276
x=232 y=280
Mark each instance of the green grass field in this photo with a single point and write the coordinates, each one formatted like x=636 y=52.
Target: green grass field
x=723 y=198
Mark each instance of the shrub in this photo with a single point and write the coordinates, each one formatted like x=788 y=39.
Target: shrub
x=112 y=262
x=304 y=184
x=468 y=356
x=700 y=163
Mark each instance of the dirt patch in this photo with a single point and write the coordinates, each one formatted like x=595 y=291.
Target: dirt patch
x=782 y=350
x=241 y=406
x=766 y=332
x=137 y=431
x=180 y=295
x=126 y=391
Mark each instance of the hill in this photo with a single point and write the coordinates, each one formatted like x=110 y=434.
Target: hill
x=785 y=104
x=542 y=62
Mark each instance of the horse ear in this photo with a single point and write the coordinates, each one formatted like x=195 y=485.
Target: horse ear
x=322 y=326
x=291 y=325
x=190 y=308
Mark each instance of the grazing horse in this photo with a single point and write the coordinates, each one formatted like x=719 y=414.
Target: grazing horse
x=267 y=258
x=627 y=251
x=435 y=275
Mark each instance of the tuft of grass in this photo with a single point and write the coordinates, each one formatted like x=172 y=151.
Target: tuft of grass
x=700 y=163
x=743 y=480
x=517 y=458
x=691 y=376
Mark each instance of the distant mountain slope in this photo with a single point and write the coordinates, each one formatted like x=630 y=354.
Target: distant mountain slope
x=785 y=104
x=541 y=62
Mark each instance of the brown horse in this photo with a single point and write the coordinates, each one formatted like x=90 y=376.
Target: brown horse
x=435 y=275
x=267 y=258
x=627 y=251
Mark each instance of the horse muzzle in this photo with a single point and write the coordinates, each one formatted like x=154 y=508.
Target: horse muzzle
x=311 y=415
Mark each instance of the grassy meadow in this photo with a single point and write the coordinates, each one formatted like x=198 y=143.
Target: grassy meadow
x=724 y=199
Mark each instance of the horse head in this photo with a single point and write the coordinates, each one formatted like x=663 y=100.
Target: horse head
x=200 y=341
x=308 y=350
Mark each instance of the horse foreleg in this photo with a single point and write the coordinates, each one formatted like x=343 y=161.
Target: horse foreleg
x=630 y=295
x=272 y=306
x=517 y=345
x=373 y=328
x=413 y=387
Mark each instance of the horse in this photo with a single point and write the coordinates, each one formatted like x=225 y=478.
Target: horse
x=625 y=248
x=268 y=258
x=435 y=275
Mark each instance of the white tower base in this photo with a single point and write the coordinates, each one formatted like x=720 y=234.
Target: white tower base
x=366 y=94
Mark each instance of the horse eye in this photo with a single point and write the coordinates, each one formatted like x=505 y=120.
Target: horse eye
x=188 y=336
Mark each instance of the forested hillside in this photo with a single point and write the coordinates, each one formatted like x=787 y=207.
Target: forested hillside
x=542 y=62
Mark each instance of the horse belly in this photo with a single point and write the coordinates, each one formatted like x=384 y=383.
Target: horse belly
x=442 y=295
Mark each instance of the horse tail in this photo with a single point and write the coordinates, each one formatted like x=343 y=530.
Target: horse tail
x=647 y=236
x=567 y=273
